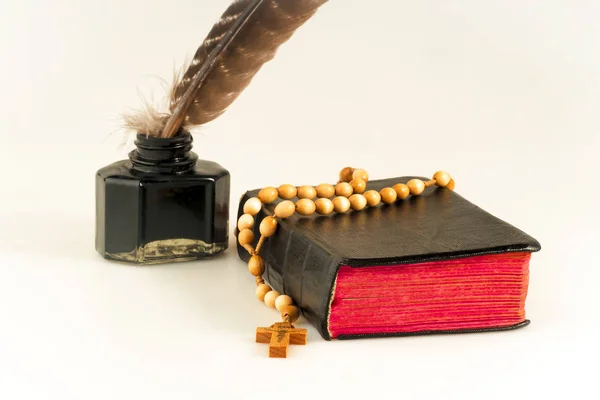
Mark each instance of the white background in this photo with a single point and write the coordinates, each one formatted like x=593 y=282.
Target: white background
x=505 y=95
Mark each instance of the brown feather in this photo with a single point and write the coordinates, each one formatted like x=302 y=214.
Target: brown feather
x=243 y=47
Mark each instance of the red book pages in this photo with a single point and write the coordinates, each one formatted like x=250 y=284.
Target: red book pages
x=476 y=292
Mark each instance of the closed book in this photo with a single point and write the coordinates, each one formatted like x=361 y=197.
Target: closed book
x=433 y=263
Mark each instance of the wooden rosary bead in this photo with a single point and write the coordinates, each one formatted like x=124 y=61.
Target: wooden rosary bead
x=270 y=298
x=268 y=226
x=373 y=198
x=246 y=221
x=362 y=174
x=268 y=195
x=252 y=206
x=256 y=265
x=259 y=280
x=451 y=184
x=401 y=190
x=287 y=191
x=283 y=301
x=358 y=185
x=346 y=174
x=262 y=290
x=305 y=207
x=307 y=192
x=388 y=195
x=290 y=312
x=341 y=204
x=324 y=206
x=285 y=209
x=357 y=202
x=344 y=189
x=416 y=186
x=442 y=178
x=246 y=236
x=325 y=190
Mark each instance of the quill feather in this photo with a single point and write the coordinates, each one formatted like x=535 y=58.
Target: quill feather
x=182 y=104
x=247 y=36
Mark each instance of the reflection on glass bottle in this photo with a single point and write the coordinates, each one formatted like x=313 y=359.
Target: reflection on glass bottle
x=162 y=205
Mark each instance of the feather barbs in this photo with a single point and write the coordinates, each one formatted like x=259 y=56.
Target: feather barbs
x=246 y=36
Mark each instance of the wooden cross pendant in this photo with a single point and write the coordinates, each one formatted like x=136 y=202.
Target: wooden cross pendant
x=279 y=336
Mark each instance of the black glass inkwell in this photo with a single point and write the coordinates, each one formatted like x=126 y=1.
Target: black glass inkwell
x=163 y=204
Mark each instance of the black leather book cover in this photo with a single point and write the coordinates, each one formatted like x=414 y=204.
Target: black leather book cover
x=303 y=257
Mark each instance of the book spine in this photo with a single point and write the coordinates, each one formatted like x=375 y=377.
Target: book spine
x=297 y=266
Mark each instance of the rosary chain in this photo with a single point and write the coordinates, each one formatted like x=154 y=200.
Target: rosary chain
x=350 y=192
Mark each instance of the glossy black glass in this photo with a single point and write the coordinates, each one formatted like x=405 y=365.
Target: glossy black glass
x=163 y=204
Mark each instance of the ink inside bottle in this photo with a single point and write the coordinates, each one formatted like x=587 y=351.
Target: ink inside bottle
x=163 y=204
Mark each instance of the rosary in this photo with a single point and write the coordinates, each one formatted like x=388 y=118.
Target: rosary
x=349 y=193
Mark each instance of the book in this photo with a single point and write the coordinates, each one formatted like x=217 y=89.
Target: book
x=433 y=263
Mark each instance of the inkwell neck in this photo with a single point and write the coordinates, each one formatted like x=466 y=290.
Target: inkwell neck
x=163 y=155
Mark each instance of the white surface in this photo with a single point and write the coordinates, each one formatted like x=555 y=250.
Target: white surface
x=502 y=94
